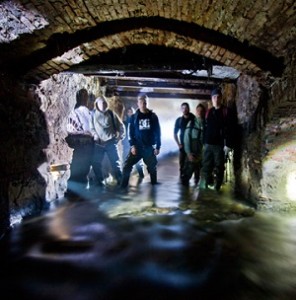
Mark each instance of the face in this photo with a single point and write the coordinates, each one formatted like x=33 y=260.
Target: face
x=129 y=112
x=199 y=112
x=217 y=100
x=84 y=97
x=142 y=104
x=185 y=109
x=102 y=105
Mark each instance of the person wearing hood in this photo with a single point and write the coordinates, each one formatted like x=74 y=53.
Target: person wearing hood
x=144 y=139
x=107 y=130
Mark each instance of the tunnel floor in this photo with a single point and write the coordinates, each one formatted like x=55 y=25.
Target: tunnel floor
x=164 y=241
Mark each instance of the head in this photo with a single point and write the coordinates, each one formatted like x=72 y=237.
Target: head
x=81 y=98
x=91 y=101
x=116 y=95
x=216 y=96
x=101 y=104
x=185 y=109
x=129 y=111
x=200 y=111
x=142 y=102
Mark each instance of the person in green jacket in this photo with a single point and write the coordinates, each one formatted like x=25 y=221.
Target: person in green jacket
x=193 y=144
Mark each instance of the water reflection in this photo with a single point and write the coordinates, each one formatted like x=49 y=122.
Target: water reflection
x=154 y=242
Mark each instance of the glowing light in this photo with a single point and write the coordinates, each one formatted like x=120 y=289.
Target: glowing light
x=291 y=186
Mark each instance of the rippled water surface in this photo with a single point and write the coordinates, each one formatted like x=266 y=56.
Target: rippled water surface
x=152 y=242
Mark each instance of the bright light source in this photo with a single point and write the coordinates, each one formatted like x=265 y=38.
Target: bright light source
x=291 y=186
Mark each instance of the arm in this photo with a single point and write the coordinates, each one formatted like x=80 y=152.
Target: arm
x=157 y=133
x=131 y=131
x=187 y=139
x=176 y=130
x=120 y=127
x=92 y=126
x=132 y=134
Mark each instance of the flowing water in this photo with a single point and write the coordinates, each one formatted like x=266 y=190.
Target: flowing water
x=152 y=242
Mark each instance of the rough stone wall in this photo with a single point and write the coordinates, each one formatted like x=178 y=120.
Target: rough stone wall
x=58 y=97
x=266 y=173
x=279 y=144
x=247 y=167
x=23 y=138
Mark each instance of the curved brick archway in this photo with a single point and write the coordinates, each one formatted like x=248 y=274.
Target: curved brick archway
x=145 y=37
x=68 y=49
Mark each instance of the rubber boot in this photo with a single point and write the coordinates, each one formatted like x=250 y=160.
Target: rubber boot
x=153 y=178
x=124 y=181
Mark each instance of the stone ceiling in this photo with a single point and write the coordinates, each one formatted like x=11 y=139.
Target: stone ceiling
x=194 y=39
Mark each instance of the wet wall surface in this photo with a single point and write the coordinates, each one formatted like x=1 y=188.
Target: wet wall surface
x=151 y=242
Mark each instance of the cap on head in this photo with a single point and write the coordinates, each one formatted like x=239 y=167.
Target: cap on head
x=216 y=92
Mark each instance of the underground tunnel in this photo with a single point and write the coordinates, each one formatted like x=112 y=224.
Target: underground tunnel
x=60 y=240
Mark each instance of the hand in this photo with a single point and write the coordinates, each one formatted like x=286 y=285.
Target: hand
x=191 y=157
x=96 y=137
x=156 y=152
x=133 y=150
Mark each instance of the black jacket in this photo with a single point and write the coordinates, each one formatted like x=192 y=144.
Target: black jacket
x=144 y=130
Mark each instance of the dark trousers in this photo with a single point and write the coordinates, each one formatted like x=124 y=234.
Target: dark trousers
x=126 y=150
x=182 y=159
x=82 y=156
x=150 y=160
x=213 y=161
x=110 y=149
x=190 y=168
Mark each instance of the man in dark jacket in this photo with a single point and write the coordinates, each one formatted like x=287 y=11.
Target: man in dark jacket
x=179 y=129
x=218 y=139
x=144 y=139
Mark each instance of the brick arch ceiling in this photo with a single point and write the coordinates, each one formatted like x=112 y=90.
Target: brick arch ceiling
x=63 y=50
x=143 y=36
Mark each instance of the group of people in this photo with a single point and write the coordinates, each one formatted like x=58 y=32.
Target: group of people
x=204 y=141
x=94 y=132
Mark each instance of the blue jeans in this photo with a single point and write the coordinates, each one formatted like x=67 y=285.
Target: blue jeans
x=110 y=149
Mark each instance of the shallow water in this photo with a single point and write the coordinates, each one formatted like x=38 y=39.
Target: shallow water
x=152 y=242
